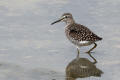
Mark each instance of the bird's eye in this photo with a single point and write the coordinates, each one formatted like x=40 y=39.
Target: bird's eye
x=65 y=17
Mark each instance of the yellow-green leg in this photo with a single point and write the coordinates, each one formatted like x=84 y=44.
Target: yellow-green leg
x=95 y=61
x=95 y=45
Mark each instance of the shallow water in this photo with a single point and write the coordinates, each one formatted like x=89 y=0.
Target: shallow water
x=29 y=41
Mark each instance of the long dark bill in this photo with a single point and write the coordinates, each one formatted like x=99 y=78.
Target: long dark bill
x=56 y=21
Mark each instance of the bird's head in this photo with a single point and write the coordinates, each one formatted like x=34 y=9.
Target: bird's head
x=66 y=17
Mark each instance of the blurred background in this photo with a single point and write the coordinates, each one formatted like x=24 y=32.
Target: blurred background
x=32 y=49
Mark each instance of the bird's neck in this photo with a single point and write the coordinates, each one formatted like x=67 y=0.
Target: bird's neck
x=70 y=21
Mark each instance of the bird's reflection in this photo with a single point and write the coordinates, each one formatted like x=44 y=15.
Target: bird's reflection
x=81 y=68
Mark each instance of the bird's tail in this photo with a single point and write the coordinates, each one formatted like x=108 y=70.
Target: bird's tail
x=100 y=38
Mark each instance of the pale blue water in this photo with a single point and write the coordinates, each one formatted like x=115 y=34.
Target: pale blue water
x=41 y=51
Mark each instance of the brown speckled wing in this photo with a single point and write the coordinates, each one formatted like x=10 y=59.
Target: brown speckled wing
x=82 y=33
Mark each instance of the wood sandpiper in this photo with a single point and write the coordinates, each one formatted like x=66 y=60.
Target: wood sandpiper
x=78 y=34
